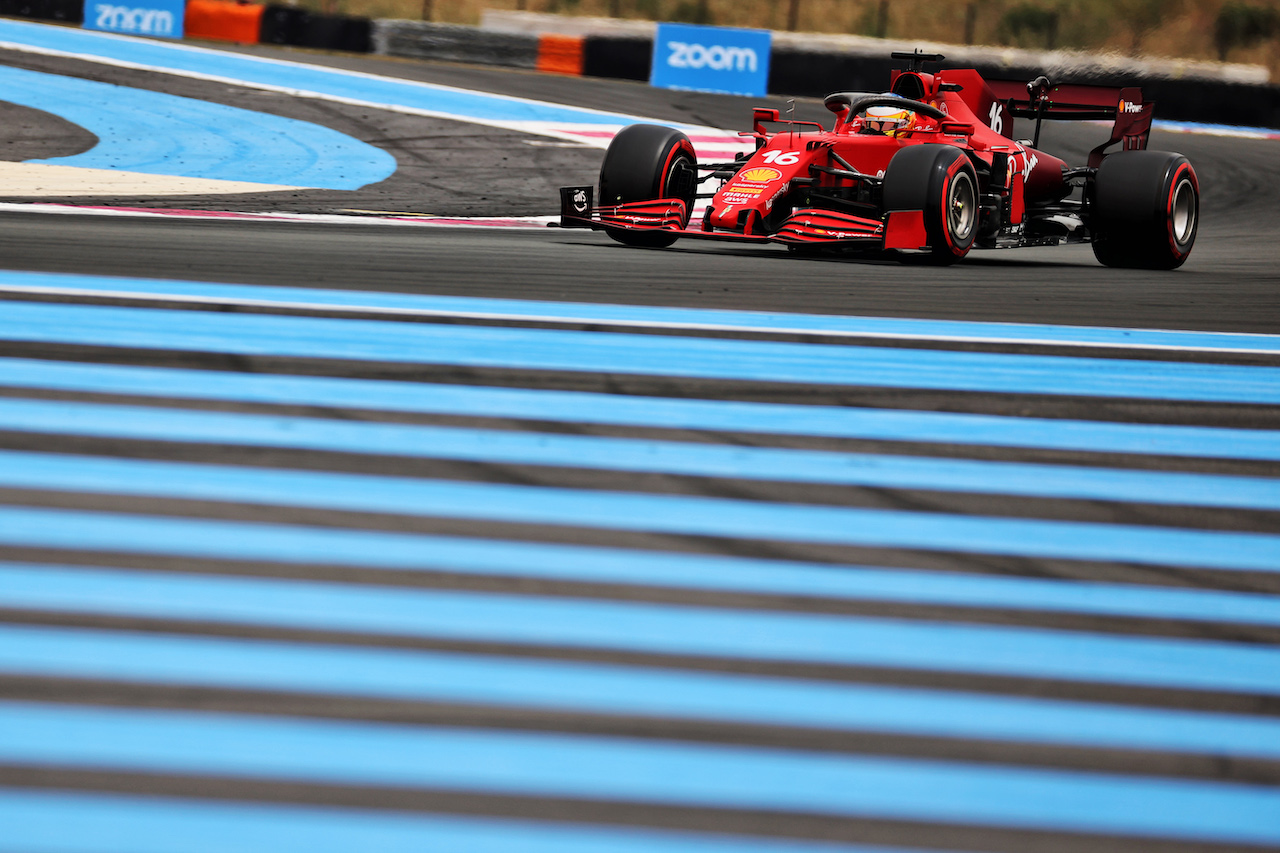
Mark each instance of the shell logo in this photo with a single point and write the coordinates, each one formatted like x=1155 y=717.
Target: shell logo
x=760 y=175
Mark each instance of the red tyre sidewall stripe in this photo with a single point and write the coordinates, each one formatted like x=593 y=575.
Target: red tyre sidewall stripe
x=1184 y=170
x=681 y=147
x=954 y=169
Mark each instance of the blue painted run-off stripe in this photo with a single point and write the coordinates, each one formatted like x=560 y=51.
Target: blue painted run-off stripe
x=661 y=412
x=103 y=823
x=642 y=627
x=413 y=552
x=672 y=514
x=583 y=767
x=628 y=691
x=639 y=455
x=659 y=355
x=300 y=79
x=155 y=133
x=690 y=318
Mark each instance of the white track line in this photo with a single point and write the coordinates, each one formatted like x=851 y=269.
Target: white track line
x=419 y=219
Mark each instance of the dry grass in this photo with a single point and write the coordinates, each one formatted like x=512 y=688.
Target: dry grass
x=1170 y=28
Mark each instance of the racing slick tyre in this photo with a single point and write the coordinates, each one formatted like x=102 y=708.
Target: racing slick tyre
x=940 y=181
x=646 y=162
x=1146 y=208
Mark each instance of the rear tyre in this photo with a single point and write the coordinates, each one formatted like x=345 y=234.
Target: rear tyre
x=646 y=162
x=939 y=181
x=1146 y=210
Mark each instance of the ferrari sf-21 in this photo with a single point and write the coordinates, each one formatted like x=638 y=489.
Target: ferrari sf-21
x=929 y=169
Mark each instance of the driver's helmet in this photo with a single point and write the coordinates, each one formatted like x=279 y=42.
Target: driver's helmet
x=889 y=120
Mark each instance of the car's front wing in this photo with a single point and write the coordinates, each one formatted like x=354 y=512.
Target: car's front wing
x=806 y=226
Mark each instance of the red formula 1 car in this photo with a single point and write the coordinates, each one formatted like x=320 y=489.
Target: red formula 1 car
x=929 y=167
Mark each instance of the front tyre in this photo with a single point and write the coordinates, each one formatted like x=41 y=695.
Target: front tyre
x=645 y=162
x=1146 y=210
x=939 y=181
x=953 y=224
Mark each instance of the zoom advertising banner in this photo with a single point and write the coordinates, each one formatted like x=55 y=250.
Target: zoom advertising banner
x=162 y=18
x=711 y=59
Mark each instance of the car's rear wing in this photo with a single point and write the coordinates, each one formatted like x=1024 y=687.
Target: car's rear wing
x=1041 y=100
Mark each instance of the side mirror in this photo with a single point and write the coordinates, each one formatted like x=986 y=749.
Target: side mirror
x=760 y=115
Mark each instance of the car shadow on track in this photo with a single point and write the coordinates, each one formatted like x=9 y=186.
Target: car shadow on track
x=998 y=260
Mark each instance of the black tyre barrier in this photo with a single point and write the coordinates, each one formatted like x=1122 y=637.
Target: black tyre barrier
x=69 y=11
x=1210 y=101
x=619 y=57
x=321 y=31
x=807 y=74
x=283 y=25
x=356 y=35
x=293 y=26
x=454 y=43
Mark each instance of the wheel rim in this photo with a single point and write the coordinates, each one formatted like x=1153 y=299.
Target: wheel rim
x=962 y=208
x=678 y=165
x=1182 y=212
x=670 y=183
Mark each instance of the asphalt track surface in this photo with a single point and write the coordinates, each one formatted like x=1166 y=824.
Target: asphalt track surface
x=291 y=574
